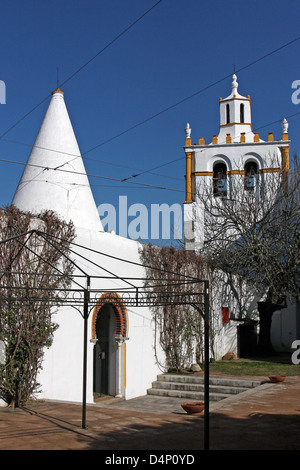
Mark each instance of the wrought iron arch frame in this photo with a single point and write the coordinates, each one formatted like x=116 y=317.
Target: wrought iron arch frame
x=85 y=298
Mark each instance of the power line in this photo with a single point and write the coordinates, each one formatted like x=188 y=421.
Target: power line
x=186 y=99
x=191 y=96
x=126 y=180
x=84 y=65
x=153 y=116
x=111 y=42
x=202 y=150
x=277 y=121
x=165 y=109
x=4 y=160
x=83 y=156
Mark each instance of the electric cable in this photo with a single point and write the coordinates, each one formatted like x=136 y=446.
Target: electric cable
x=157 y=114
x=83 y=66
x=82 y=156
x=167 y=108
x=5 y=160
x=127 y=180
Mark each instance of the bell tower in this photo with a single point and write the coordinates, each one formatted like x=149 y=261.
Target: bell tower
x=235 y=116
x=235 y=156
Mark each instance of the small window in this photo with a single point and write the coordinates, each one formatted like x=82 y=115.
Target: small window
x=251 y=172
x=227 y=114
x=242 y=112
x=220 y=180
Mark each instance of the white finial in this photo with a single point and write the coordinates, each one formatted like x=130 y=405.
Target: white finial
x=285 y=126
x=234 y=83
x=188 y=131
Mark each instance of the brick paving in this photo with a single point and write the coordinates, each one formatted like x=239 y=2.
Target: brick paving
x=265 y=418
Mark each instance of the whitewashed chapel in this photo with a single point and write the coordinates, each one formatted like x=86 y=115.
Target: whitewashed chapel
x=122 y=340
x=236 y=155
x=120 y=355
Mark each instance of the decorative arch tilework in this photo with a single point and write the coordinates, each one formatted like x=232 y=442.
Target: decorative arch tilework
x=120 y=310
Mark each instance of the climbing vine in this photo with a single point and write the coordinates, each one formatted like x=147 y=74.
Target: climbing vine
x=179 y=327
x=30 y=291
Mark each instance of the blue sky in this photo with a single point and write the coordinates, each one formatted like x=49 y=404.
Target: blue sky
x=176 y=50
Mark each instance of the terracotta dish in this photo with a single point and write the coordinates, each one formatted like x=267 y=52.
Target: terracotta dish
x=277 y=378
x=193 y=407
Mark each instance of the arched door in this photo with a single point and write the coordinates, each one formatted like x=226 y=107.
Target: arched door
x=105 y=352
x=109 y=333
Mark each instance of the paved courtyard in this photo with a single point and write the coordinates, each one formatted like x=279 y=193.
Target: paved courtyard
x=264 y=418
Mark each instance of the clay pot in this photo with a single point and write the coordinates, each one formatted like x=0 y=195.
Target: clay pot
x=193 y=407
x=277 y=378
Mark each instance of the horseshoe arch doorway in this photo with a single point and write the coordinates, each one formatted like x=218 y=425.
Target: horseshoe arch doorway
x=109 y=333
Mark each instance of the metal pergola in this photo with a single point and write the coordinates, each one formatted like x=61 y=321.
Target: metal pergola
x=83 y=295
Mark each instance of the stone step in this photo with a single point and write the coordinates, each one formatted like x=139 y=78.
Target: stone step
x=192 y=395
x=192 y=387
x=197 y=387
x=212 y=380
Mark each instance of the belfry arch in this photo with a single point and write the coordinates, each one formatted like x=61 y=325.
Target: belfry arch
x=109 y=333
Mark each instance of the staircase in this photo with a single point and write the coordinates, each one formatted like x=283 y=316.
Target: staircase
x=192 y=387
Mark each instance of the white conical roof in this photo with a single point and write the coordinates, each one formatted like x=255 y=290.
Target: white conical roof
x=54 y=177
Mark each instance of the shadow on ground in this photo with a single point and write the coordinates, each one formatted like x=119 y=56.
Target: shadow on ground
x=58 y=427
x=256 y=432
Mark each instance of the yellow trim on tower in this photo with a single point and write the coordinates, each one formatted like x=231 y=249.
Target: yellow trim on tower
x=236 y=124
x=188 y=178
x=285 y=158
x=124 y=365
x=203 y=173
x=235 y=98
x=285 y=167
x=285 y=136
x=235 y=172
x=269 y=170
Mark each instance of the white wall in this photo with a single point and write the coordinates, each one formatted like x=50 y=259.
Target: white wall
x=284 y=327
x=62 y=375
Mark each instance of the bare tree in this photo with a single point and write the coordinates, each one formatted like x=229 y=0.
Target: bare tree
x=253 y=234
x=33 y=276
